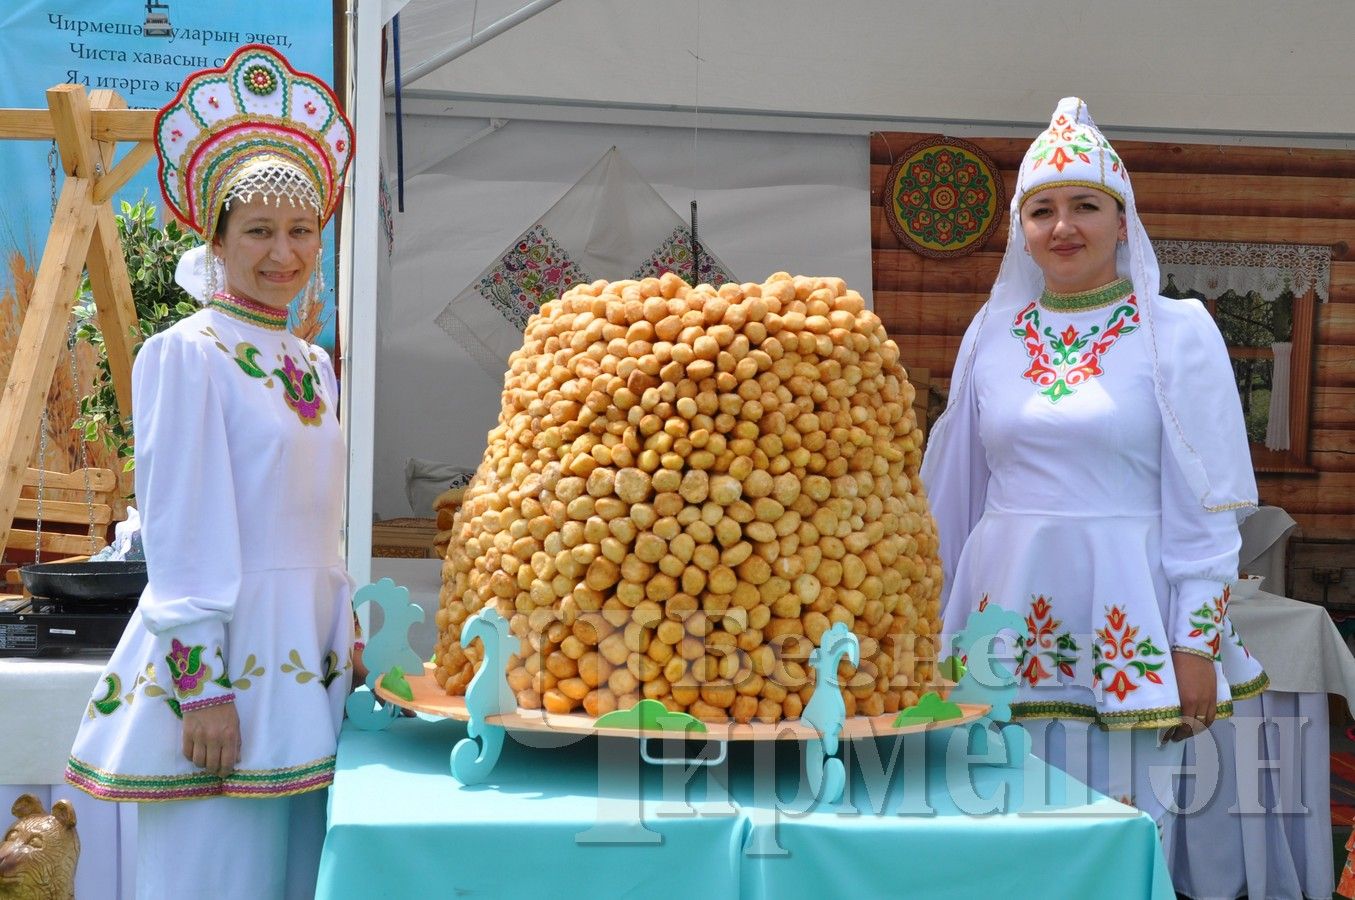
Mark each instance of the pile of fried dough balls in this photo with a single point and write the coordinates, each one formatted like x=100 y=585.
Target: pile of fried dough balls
x=686 y=488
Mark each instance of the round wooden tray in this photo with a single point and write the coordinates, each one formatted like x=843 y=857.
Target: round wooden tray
x=430 y=700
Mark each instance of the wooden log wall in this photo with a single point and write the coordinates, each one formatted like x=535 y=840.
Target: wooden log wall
x=1183 y=192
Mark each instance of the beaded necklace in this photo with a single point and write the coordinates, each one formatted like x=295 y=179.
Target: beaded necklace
x=251 y=311
x=1082 y=301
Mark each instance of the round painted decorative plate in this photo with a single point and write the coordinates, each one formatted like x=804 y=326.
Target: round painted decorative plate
x=944 y=197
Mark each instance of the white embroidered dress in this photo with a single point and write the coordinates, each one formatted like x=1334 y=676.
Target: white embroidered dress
x=239 y=480
x=1077 y=516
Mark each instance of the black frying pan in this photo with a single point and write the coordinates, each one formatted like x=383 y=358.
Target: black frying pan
x=85 y=580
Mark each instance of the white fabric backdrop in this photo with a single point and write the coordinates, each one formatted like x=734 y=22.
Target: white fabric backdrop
x=766 y=202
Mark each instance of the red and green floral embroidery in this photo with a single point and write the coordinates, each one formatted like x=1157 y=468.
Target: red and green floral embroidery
x=298 y=384
x=983 y=604
x=1118 y=649
x=1043 y=648
x=1066 y=142
x=1059 y=362
x=1207 y=622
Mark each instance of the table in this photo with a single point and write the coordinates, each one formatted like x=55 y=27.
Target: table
x=1265 y=537
x=401 y=826
x=1220 y=853
x=41 y=702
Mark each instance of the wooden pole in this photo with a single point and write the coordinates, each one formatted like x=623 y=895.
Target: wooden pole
x=44 y=325
x=108 y=279
x=83 y=235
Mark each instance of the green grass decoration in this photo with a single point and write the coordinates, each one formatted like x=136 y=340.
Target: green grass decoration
x=931 y=708
x=650 y=715
x=394 y=682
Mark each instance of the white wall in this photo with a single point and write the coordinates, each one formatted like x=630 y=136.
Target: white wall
x=766 y=202
x=1251 y=66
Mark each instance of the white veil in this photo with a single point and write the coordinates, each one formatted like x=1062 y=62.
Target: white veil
x=1208 y=439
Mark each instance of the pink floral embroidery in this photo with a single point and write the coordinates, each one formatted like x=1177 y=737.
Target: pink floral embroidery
x=300 y=391
x=186 y=668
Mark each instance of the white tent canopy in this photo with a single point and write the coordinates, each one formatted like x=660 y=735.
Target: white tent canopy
x=761 y=111
x=1205 y=66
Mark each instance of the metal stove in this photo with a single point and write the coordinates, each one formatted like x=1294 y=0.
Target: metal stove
x=39 y=626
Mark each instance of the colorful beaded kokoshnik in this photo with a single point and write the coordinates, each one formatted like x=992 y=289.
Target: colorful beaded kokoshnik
x=1083 y=301
x=250 y=311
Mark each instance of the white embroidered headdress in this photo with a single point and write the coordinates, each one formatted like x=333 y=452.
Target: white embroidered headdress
x=255 y=127
x=1205 y=443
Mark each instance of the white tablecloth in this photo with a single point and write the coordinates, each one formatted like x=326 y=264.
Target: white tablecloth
x=41 y=702
x=1265 y=537
x=1223 y=851
x=1298 y=644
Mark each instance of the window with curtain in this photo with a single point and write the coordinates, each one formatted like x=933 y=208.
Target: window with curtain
x=1262 y=297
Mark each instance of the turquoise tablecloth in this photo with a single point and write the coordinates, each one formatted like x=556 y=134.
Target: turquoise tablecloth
x=401 y=827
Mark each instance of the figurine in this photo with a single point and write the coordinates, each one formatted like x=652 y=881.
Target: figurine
x=39 y=852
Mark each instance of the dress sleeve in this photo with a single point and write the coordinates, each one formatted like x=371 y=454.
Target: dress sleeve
x=954 y=467
x=1200 y=547
x=186 y=494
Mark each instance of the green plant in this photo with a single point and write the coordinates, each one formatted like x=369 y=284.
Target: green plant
x=152 y=253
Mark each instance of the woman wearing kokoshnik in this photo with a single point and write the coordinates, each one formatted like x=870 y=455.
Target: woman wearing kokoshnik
x=225 y=694
x=1090 y=472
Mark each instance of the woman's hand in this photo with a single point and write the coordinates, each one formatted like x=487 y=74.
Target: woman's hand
x=1196 y=684
x=211 y=738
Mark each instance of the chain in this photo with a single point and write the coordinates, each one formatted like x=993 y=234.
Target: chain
x=42 y=476
x=51 y=173
x=71 y=344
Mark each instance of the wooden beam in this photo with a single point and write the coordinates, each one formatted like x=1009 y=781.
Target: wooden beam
x=1155 y=156
x=70 y=107
x=44 y=325
x=64 y=511
x=110 y=125
x=124 y=124
x=112 y=182
x=1338 y=233
x=23 y=539
x=108 y=279
x=1222 y=195
x=100 y=480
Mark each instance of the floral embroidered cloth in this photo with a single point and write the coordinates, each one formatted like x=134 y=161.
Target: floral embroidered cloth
x=239 y=480
x=612 y=224
x=1081 y=520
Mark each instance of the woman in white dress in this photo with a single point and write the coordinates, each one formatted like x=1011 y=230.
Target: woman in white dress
x=1089 y=473
x=226 y=692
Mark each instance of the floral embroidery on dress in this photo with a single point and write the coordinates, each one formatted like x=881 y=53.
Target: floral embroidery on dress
x=110 y=702
x=252 y=669
x=1059 y=362
x=186 y=669
x=330 y=669
x=298 y=384
x=535 y=271
x=1207 y=622
x=300 y=394
x=1043 y=648
x=1118 y=649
